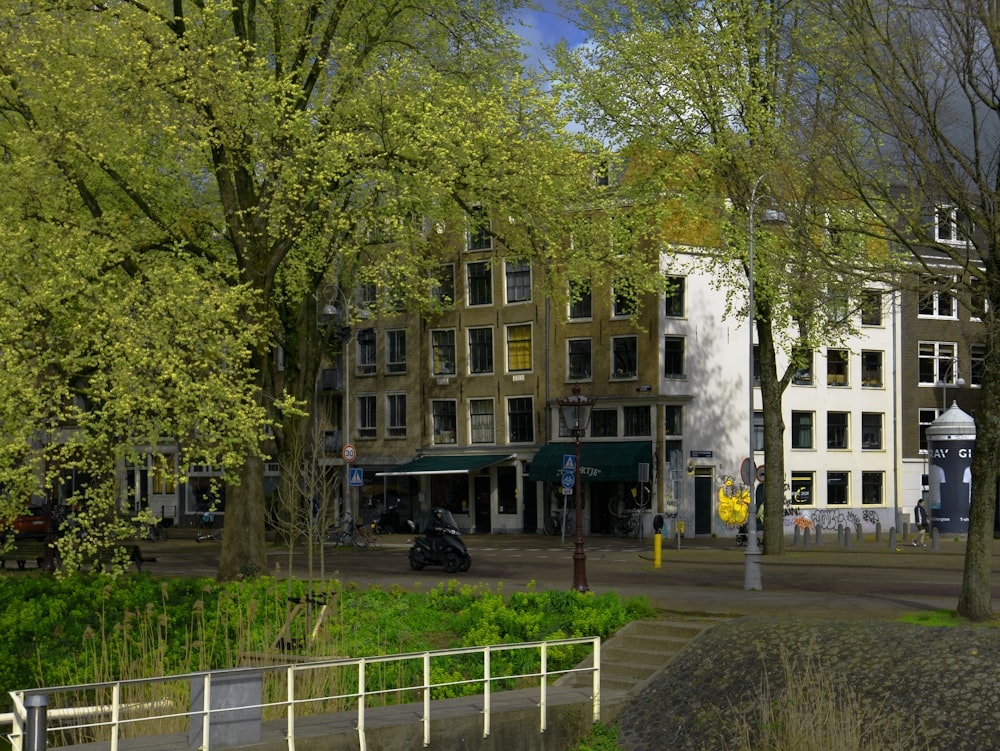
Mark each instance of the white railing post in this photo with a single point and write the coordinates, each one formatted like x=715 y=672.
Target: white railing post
x=290 y=712
x=116 y=699
x=20 y=720
x=543 y=690
x=427 y=699
x=486 y=692
x=597 y=679
x=206 y=720
x=361 y=704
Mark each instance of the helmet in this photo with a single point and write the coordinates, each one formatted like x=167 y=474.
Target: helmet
x=438 y=513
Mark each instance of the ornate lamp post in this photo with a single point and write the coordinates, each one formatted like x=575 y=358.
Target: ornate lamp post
x=575 y=411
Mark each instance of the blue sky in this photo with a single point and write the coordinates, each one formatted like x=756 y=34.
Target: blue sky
x=546 y=28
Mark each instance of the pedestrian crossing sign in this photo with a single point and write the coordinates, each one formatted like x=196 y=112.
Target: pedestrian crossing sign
x=569 y=463
x=356 y=478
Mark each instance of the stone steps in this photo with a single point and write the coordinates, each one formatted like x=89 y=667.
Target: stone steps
x=631 y=657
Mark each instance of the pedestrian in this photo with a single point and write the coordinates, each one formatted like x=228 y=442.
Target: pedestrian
x=920 y=517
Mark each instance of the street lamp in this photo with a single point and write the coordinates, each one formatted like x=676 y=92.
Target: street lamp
x=958 y=381
x=751 y=573
x=575 y=411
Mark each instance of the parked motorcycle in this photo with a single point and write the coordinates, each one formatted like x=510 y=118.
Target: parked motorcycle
x=389 y=522
x=441 y=545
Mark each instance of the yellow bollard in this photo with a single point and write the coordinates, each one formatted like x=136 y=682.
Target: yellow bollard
x=657 y=552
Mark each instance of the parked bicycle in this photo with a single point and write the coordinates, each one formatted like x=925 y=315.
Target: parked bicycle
x=207 y=530
x=345 y=532
x=154 y=532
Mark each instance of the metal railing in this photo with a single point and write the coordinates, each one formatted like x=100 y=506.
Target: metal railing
x=113 y=710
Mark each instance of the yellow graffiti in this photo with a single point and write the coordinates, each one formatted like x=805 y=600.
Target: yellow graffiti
x=733 y=503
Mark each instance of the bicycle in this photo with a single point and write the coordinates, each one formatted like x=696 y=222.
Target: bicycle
x=208 y=525
x=346 y=533
x=152 y=531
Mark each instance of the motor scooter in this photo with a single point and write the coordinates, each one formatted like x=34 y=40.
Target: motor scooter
x=389 y=522
x=441 y=545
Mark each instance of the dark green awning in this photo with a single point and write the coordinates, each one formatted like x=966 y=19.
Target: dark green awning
x=605 y=461
x=452 y=464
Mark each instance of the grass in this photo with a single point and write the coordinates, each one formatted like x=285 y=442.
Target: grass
x=942 y=618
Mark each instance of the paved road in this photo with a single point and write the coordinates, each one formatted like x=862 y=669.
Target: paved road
x=869 y=581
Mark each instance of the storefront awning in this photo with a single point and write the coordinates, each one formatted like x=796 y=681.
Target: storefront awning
x=453 y=464
x=603 y=462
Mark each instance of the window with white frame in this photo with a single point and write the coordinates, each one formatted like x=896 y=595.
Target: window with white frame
x=937 y=362
x=581 y=301
x=603 y=423
x=444 y=284
x=366 y=352
x=872 y=484
x=950 y=226
x=479 y=236
x=481 y=350
x=802 y=430
x=520 y=419
x=758 y=431
x=838 y=485
x=871 y=430
x=979 y=304
x=673 y=357
x=925 y=417
x=481 y=421
x=367 y=424
x=674 y=301
x=837 y=367
x=871 y=368
x=395 y=351
x=936 y=298
x=579 y=361
x=479 y=283
x=837 y=430
x=518 y=281
x=519 y=348
x=623 y=302
x=395 y=415
x=443 y=352
x=673 y=420
x=977 y=363
x=636 y=421
x=624 y=357
x=803 y=360
x=443 y=421
x=801 y=488
x=871 y=307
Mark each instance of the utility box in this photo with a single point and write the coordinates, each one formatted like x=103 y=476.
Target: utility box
x=236 y=709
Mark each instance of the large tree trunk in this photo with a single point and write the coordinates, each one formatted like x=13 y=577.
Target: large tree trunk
x=774 y=441
x=975 y=599
x=244 y=548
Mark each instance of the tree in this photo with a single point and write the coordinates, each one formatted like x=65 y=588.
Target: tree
x=712 y=105
x=255 y=149
x=922 y=88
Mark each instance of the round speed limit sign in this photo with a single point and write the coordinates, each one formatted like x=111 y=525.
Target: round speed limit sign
x=349 y=453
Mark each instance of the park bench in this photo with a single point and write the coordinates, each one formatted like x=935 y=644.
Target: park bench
x=34 y=550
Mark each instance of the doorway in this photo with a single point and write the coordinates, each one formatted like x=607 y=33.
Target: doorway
x=703 y=500
x=484 y=507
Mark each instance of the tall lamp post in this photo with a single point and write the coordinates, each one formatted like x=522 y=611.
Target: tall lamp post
x=751 y=573
x=575 y=411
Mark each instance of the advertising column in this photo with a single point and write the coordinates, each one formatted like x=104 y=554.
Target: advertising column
x=950 y=440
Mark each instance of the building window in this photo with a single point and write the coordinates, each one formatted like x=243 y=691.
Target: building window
x=519 y=347
x=579 y=363
x=518 y=281
x=871 y=488
x=520 y=420
x=937 y=363
x=604 y=423
x=871 y=368
x=925 y=417
x=838 y=485
x=481 y=427
x=837 y=367
x=802 y=488
x=673 y=357
x=366 y=352
x=871 y=307
x=443 y=416
x=802 y=430
x=623 y=302
x=636 y=421
x=936 y=299
x=802 y=358
x=837 y=430
x=624 y=357
x=395 y=415
x=395 y=351
x=977 y=364
x=871 y=430
x=480 y=283
x=367 y=426
x=950 y=227
x=479 y=236
x=581 y=301
x=444 y=284
x=443 y=352
x=756 y=365
x=481 y=350
x=673 y=423
x=758 y=431
x=978 y=302
x=674 y=297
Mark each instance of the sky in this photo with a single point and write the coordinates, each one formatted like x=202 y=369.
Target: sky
x=546 y=28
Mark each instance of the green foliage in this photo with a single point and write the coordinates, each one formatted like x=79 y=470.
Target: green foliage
x=601 y=738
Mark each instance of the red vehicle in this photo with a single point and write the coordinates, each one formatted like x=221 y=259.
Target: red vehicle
x=33 y=525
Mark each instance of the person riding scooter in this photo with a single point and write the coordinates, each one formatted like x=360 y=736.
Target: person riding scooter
x=441 y=545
